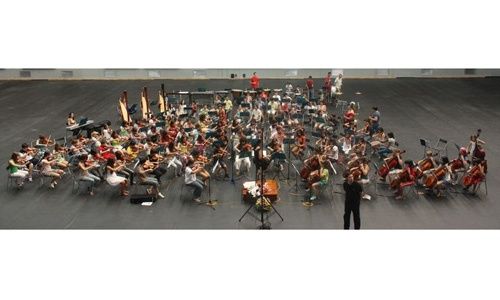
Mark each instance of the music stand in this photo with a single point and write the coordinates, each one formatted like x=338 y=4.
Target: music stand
x=289 y=141
x=278 y=157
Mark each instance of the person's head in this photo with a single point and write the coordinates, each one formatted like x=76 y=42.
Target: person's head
x=409 y=163
x=14 y=156
x=340 y=75
x=132 y=144
x=24 y=146
x=428 y=153
x=390 y=135
x=111 y=162
x=329 y=73
x=190 y=162
x=143 y=160
x=119 y=155
x=46 y=154
x=310 y=77
x=375 y=108
x=350 y=178
x=71 y=115
x=463 y=151
x=153 y=152
x=84 y=157
x=57 y=147
x=254 y=73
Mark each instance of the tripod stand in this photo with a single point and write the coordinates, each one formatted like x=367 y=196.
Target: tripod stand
x=259 y=194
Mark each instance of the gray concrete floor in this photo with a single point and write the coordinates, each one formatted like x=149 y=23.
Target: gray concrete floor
x=411 y=108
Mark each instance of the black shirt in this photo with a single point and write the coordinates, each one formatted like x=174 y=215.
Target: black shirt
x=353 y=192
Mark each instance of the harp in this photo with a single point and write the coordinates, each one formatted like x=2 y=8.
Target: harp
x=146 y=112
x=162 y=99
x=123 y=107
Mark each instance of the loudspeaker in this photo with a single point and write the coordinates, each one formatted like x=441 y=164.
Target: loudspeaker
x=140 y=198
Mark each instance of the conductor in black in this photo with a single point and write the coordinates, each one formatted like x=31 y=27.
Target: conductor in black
x=353 y=192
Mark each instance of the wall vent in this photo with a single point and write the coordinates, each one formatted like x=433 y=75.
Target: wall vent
x=25 y=74
x=66 y=74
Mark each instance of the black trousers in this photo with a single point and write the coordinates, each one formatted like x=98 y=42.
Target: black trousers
x=158 y=172
x=354 y=209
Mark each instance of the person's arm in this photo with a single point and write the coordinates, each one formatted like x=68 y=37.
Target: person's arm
x=345 y=185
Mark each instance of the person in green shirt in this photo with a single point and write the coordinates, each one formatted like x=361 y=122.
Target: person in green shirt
x=323 y=181
x=14 y=168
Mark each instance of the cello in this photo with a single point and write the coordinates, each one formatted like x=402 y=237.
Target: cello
x=389 y=164
x=311 y=164
x=431 y=179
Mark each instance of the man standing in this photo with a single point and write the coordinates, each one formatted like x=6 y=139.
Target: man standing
x=254 y=81
x=338 y=84
x=374 y=120
x=327 y=86
x=310 y=87
x=353 y=192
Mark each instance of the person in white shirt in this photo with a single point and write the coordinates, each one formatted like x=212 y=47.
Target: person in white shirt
x=338 y=83
x=191 y=180
x=257 y=114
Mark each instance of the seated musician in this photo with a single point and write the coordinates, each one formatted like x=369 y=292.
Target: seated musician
x=43 y=142
x=406 y=176
x=155 y=160
x=475 y=175
x=228 y=105
x=459 y=164
x=113 y=168
x=17 y=168
x=394 y=164
x=243 y=148
x=360 y=148
x=133 y=150
x=201 y=161
x=378 y=139
x=71 y=119
x=191 y=180
x=124 y=170
x=28 y=155
x=256 y=114
x=365 y=170
x=429 y=156
x=154 y=134
x=387 y=147
x=184 y=146
x=218 y=158
x=349 y=115
x=300 y=145
x=85 y=166
x=107 y=131
x=143 y=170
x=59 y=154
x=174 y=159
x=194 y=108
x=346 y=142
x=442 y=181
x=317 y=180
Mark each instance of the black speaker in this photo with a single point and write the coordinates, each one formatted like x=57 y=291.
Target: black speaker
x=140 y=198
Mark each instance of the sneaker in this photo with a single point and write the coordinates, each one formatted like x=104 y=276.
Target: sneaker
x=30 y=179
x=161 y=195
x=197 y=200
x=52 y=185
x=55 y=182
x=313 y=198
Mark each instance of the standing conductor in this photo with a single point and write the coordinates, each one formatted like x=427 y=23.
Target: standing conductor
x=353 y=192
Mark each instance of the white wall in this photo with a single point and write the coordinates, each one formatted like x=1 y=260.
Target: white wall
x=226 y=73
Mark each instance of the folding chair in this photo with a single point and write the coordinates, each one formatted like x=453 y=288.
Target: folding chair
x=441 y=146
x=426 y=144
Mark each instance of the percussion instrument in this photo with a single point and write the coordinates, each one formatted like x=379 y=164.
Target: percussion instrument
x=271 y=190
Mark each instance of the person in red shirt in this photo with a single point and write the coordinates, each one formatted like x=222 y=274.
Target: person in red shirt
x=254 y=81
x=310 y=87
x=327 y=85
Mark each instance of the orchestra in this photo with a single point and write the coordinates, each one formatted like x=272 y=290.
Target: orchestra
x=224 y=138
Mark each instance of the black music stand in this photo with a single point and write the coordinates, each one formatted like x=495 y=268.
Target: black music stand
x=278 y=158
x=295 y=187
x=289 y=142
